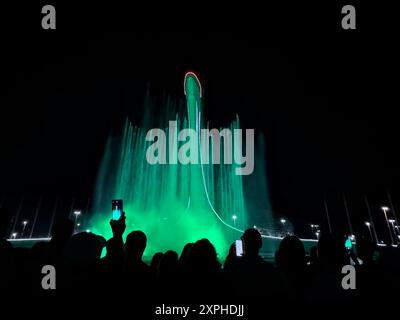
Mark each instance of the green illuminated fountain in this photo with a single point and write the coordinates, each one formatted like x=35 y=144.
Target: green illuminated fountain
x=172 y=202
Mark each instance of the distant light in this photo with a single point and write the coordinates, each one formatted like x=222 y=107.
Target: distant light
x=367 y=224
x=14 y=235
x=312 y=226
x=78 y=224
x=352 y=237
x=77 y=212
x=391 y=220
x=87 y=230
x=234 y=217
x=317 y=234
x=25 y=222
x=255 y=227
x=283 y=221
x=384 y=208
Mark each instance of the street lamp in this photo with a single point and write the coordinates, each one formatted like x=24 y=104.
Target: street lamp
x=77 y=213
x=24 y=223
x=368 y=224
x=13 y=235
x=283 y=221
x=392 y=221
x=385 y=209
x=234 y=217
x=397 y=229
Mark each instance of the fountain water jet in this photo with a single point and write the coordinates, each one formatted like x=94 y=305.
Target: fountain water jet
x=175 y=203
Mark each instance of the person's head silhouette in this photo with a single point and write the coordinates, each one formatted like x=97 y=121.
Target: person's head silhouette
x=202 y=257
x=135 y=245
x=291 y=254
x=155 y=261
x=62 y=231
x=252 y=241
x=168 y=264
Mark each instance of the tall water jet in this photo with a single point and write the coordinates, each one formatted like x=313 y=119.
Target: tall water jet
x=173 y=202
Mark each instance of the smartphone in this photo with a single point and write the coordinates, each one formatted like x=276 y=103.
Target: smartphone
x=117 y=209
x=239 y=248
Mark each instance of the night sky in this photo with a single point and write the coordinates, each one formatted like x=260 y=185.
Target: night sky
x=325 y=98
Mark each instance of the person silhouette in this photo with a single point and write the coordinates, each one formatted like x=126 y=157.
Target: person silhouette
x=138 y=274
x=291 y=262
x=252 y=276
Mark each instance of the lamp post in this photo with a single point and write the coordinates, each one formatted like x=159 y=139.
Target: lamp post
x=24 y=223
x=315 y=227
x=397 y=229
x=368 y=224
x=283 y=221
x=234 y=217
x=385 y=209
x=77 y=213
x=392 y=221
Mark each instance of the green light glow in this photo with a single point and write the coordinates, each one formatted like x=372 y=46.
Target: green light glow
x=173 y=203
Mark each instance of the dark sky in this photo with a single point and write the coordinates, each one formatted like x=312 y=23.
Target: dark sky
x=326 y=99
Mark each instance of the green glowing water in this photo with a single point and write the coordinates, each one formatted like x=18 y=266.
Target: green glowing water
x=173 y=203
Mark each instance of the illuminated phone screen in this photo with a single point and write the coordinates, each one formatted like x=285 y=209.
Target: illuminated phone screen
x=239 y=248
x=116 y=209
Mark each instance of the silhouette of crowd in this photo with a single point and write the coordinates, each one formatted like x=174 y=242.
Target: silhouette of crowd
x=196 y=274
